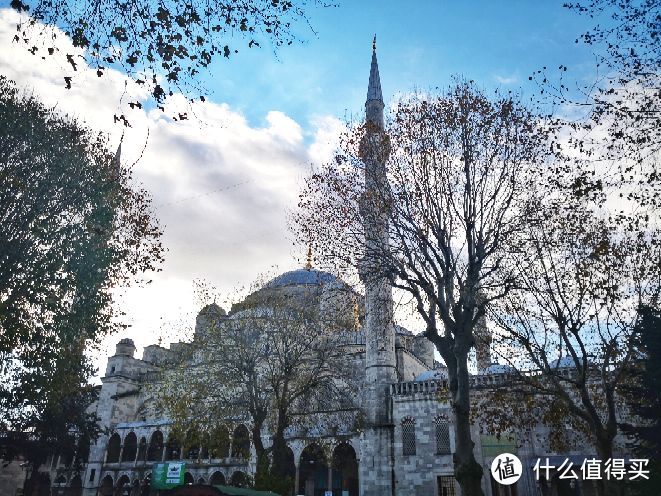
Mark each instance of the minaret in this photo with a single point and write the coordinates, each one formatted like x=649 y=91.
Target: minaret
x=116 y=164
x=376 y=463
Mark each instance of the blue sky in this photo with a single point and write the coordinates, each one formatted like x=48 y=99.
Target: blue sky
x=421 y=44
x=224 y=182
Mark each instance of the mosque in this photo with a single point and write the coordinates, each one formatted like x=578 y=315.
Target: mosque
x=403 y=445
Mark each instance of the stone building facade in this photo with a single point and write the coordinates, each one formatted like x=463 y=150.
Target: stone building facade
x=403 y=445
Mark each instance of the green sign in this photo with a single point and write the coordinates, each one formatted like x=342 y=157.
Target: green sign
x=492 y=446
x=167 y=475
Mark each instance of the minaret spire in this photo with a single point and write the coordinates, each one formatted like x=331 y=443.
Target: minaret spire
x=117 y=161
x=376 y=469
x=374 y=102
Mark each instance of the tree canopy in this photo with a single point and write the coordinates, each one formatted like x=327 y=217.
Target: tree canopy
x=162 y=45
x=74 y=227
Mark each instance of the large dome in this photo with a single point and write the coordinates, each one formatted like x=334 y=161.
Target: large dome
x=301 y=277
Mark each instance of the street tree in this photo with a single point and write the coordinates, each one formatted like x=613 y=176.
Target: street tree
x=567 y=328
x=643 y=396
x=74 y=227
x=458 y=170
x=273 y=360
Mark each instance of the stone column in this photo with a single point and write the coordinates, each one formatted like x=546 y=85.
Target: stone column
x=330 y=477
x=297 y=478
x=121 y=453
x=137 y=454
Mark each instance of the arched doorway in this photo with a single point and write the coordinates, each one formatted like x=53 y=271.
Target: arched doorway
x=123 y=487
x=313 y=472
x=217 y=479
x=155 y=451
x=106 y=488
x=238 y=479
x=75 y=486
x=345 y=470
x=188 y=478
x=114 y=446
x=241 y=442
x=130 y=447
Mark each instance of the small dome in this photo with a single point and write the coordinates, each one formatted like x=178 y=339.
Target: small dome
x=212 y=309
x=432 y=375
x=499 y=368
x=301 y=277
x=402 y=331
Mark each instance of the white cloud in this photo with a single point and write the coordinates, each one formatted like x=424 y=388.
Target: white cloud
x=221 y=187
x=511 y=79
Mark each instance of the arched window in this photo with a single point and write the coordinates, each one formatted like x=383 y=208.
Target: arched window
x=408 y=436
x=442 y=430
x=130 y=447
x=219 y=442
x=155 y=451
x=114 y=446
x=241 y=442
x=173 y=450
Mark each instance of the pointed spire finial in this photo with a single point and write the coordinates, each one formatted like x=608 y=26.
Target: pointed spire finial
x=117 y=160
x=308 y=265
x=374 y=102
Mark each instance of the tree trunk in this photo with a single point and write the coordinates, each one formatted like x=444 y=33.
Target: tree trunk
x=262 y=457
x=466 y=469
x=605 y=452
x=280 y=451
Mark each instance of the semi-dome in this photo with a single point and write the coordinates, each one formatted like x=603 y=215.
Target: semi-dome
x=563 y=363
x=432 y=375
x=301 y=277
x=499 y=368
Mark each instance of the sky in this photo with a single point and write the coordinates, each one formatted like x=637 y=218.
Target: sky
x=224 y=182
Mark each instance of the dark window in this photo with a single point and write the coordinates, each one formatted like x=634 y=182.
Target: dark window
x=442 y=429
x=92 y=474
x=408 y=436
x=445 y=485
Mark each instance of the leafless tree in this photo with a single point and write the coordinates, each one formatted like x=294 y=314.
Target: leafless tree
x=458 y=171
x=568 y=326
x=274 y=360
